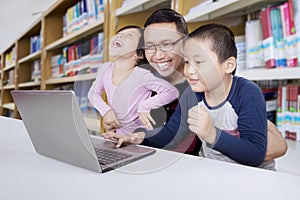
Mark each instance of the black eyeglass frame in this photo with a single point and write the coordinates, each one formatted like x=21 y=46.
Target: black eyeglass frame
x=146 y=49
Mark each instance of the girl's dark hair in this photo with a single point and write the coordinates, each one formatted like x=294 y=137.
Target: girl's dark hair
x=167 y=15
x=140 y=48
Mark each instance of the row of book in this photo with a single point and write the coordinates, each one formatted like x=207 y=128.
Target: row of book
x=10 y=80
x=8 y=113
x=10 y=57
x=36 y=70
x=273 y=40
x=80 y=58
x=35 y=43
x=269 y=89
x=83 y=13
x=288 y=111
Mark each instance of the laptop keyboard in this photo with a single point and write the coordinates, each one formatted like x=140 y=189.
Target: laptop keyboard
x=106 y=156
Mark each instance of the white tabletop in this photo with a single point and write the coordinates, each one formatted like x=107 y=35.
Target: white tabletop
x=24 y=174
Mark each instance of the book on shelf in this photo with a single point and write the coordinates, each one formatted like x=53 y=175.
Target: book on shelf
x=80 y=58
x=8 y=113
x=81 y=89
x=288 y=111
x=11 y=77
x=277 y=33
x=83 y=13
x=35 y=43
x=288 y=25
x=10 y=57
x=269 y=89
x=241 y=52
x=36 y=70
x=296 y=9
x=254 y=50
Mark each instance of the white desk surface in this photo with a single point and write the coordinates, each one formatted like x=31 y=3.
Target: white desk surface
x=24 y=174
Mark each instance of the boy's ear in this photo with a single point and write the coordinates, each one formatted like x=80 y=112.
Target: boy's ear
x=230 y=65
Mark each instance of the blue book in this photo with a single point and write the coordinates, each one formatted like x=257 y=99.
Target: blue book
x=277 y=33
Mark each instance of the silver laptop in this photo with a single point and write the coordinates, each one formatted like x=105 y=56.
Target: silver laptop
x=57 y=129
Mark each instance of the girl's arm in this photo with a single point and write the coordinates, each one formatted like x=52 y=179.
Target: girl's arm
x=96 y=90
x=166 y=93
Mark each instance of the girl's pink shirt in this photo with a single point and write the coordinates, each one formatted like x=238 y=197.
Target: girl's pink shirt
x=132 y=96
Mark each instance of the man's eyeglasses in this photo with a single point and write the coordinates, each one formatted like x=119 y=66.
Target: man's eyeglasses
x=165 y=47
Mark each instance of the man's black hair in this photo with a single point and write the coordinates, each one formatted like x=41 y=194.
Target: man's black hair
x=166 y=15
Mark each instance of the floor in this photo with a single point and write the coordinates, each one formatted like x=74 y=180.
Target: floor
x=290 y=162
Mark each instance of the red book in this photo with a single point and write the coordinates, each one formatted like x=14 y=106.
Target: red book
x=268 y=39
x=289 y=33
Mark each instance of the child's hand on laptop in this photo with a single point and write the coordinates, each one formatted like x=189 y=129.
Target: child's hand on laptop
x=132 y=138
x=146 y=119
x=110 y=122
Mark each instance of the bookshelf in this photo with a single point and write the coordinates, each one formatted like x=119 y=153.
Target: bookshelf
x=137 y=6
x=271 y=74
x=29 y=59
x=57 y=34
x=125 y=12
x=8 y=80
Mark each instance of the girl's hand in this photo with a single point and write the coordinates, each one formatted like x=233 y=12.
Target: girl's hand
x=110 y=122
x=146 y=119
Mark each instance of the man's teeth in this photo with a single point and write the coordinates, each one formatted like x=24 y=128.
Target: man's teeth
x=163 y=65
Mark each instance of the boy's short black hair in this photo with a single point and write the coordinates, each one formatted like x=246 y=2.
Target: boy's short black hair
x=166 y=15
x=221 y=37
x=140 y=48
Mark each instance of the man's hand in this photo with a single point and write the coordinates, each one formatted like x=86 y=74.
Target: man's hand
x=133 y=138
x=146 y=119
x=200 y=122
x=110 y=122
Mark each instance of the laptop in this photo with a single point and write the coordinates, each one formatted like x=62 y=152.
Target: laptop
x=57 y=129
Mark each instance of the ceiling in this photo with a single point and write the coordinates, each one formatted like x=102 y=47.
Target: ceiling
x=16 y=16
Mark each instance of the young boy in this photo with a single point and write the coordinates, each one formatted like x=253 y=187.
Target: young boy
x=230 y=117
x=128 y=87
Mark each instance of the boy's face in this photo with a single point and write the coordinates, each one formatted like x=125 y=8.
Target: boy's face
x=124 y=43
x=202 y=69
x=168 y=62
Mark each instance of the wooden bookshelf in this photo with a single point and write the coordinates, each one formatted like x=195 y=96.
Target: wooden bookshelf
x=271 y=74
x=8 y=78
x=29 y=84
x=73 y=37
x=31 y=57
x=207 y=11
x=9 y=67
x=50 y=26
x=9 y=106
x=9 y=87
x=138 y=6
x=135 y=12
x=71 y=79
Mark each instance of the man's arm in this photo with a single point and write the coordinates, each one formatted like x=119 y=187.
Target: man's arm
x=277 y=145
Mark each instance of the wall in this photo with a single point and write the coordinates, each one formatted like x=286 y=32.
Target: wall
x=16 y=16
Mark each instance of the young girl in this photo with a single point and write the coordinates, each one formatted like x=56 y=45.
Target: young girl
x=128 y=88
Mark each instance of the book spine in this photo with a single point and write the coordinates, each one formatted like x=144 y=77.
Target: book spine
x=268 y=39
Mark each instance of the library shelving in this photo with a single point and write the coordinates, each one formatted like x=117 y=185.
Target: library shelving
x=60 y=36
x=125 y=12
x=271 y=74
x=8 y=80
x=29 y=55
